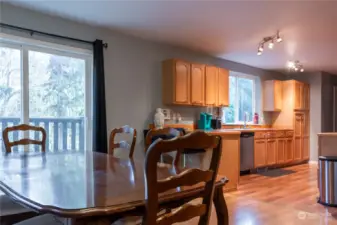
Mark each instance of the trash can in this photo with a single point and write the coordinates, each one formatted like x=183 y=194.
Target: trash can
x=327 y=180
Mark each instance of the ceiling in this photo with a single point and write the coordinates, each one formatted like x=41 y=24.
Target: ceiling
x=226 y=29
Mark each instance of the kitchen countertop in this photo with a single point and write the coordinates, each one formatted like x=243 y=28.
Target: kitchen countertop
x=241 y=130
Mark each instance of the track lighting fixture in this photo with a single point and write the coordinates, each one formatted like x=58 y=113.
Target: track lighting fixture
x=270 y=40
x=295 y=66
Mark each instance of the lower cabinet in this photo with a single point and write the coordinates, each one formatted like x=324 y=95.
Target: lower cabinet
x=281 y=151
x=289 y=150
x=271 y=151
x=260 y=153
x=274 y=151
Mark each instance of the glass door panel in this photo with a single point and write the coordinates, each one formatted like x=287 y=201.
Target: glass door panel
x=10 y=91
x=57 y=99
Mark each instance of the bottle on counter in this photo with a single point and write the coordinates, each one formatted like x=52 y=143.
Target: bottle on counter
x=256 y=118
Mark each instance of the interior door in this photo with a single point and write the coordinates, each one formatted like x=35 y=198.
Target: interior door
x=211 y=85
x=182 y=82
x=197 y=84
x=223 y=87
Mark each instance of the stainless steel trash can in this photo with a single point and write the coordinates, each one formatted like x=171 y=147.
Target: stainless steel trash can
x=327 y=180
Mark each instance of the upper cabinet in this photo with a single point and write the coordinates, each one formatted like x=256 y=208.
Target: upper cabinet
x=176 y=82
x=223 y=89
x=187 y=83
x=211 y=97
x=302 y=96
x=272 y=95
x=197 y=84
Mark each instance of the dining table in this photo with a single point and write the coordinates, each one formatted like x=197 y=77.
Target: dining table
x=88 y=187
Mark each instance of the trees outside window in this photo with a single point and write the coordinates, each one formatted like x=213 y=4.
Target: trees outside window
x=241 y=98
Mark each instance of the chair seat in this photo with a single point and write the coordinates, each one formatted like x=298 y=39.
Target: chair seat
x=9 y=207
x=46 y=219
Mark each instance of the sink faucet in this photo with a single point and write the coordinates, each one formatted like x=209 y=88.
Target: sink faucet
x=245 y=117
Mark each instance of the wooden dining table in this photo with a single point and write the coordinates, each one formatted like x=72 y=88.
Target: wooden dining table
x=89 y=187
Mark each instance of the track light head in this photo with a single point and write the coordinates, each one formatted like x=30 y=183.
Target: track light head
x=271 y=45
x=278 y=37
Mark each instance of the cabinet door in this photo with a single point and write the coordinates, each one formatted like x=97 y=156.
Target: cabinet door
x=280 y=151
x=260 y=154
x=289 y=150
x=278 y=95
x=271 y=151
x=211 y=86
x=305 y=137
x=298 y=95
x=197 y=84
x=305 y=148
x=298 y=136
x=182 y=82
x=223 y=87
x=306 y=97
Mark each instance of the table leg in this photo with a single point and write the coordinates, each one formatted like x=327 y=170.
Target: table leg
x=220 y=207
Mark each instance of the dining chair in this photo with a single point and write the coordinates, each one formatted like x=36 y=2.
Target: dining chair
x=188 y=177
x=25 y=141
x=123 y=144
x=9 y=210
x=166 y=134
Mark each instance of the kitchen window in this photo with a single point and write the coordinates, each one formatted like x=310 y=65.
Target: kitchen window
x=241 y=99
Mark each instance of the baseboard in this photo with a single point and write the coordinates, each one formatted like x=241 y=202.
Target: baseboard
x=313 y=162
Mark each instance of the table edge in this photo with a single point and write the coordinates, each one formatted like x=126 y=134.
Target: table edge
x=78 y=213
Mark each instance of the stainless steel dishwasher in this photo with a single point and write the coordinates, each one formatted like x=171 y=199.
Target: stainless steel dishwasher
x=246 y=151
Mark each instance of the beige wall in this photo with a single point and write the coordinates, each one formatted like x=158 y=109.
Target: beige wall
x=132 y=65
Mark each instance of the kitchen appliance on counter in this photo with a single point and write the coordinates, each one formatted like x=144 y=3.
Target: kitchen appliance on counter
x=204 y=122
x=216 y=123
x=246 y=152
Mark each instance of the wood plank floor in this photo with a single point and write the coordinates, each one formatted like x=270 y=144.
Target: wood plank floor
x=284 y=200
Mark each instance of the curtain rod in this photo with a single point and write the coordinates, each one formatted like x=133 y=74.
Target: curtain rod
x=31 y=32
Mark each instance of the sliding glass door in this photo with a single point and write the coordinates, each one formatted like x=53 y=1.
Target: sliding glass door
x=50 y=88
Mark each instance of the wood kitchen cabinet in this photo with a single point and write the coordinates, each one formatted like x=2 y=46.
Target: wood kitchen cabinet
x=223 y=87
x=295 y=115
x=211 y=89
x=289 y=150
x=302 y=96
x=281 y=147
x=197 y=84
x=272 y=95
x=271 y=151
x=260 y=153
x=176 y=82
x=186 y=83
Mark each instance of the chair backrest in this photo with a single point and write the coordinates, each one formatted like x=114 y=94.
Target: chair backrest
x=167 y=131
x=123 y=144
x=189 y=177
x=25 y=141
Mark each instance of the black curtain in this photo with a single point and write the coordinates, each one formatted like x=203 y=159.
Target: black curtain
x=99 y=108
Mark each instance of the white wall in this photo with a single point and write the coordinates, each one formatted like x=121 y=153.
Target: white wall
x=132 y=65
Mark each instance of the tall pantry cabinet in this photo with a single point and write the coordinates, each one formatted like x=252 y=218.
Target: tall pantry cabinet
x=295 y=115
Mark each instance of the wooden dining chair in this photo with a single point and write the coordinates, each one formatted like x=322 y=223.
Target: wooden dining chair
x=165 y=133
x=123 y=144
x=189 y=177
x=25 y=141
x=10 y=212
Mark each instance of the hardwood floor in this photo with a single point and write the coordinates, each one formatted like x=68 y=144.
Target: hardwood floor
x=284 y=200
x=288 y=199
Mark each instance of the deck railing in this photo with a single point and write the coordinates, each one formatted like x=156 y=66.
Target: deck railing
x=62 y=133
